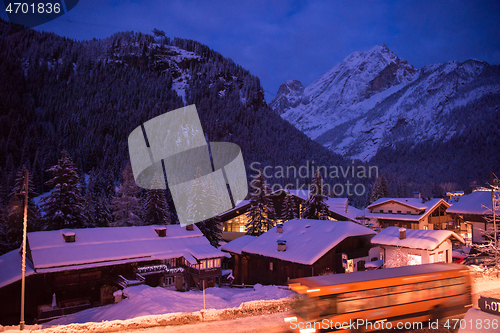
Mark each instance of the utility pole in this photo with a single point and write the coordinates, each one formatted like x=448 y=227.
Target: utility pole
x=494 y=183
x=25 y=225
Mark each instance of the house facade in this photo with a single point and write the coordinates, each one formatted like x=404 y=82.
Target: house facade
x=301 y=248
x=472 y=211
x=404 y=247
x=83 y=267
x=411 y=213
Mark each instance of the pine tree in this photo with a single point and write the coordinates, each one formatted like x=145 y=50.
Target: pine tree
x=289 y=210
x=64 y=205
x=97 y=211
x=155 y=210
x=4 y=244
x=315 y=207
x=212 y=230
x=380 y=189
x=261 y=213
x=15 y=217
x=126 y=206
x=103 y=216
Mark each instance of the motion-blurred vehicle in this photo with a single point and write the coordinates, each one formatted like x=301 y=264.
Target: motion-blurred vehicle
x=380 y=298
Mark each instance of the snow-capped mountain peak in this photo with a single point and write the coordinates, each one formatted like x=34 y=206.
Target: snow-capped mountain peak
x=355 y=107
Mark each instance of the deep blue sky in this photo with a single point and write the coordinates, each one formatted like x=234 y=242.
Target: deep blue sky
x=283 y=40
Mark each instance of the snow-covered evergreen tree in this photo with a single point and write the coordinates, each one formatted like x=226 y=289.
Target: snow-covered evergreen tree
x=202 y=203
x=155 y=205
x=380 y=189
x=261 y=213
x=126 y=205
x=315 y=207
x=97 y=210
x=212 y=230
x=289 y=208
x=64 y=205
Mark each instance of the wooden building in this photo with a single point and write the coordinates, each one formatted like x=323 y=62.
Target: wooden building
x=301 y=248
x=83 y=267
x=471 y=211
x=411 y=213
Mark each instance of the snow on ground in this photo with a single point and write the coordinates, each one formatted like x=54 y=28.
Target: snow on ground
x=144 y=301
x=485 y=279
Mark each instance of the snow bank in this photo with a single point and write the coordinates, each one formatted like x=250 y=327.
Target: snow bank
x=251 y=308
x=147 y=301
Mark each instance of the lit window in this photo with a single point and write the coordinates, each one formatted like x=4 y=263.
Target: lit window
x=210 y=263
x=414 y=259
x=270 y=266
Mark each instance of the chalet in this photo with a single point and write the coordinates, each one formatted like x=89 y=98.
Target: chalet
x=83 y=267
x=402 y=247
x=234 y=220
x=410 y=213
x=300 y=248
x=472 y=212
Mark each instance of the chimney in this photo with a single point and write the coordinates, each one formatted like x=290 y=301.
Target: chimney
x=161 y=231
x=69 y=237
x=190 y=227
x=416 y=195
x=281 y=245
x=402 y=233
x=279 y=228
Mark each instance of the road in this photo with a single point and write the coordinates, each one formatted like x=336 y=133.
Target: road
x=273 y=323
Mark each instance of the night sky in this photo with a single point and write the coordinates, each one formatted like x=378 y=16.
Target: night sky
x=283 y=40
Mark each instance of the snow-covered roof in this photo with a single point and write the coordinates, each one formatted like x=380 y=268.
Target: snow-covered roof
x=237 y=206
x=237 y=244
x=110 y=246
x=476 y=203
x=418 y=204
x=306 y=240
x=415 y=238
x=11 y=267
x=352 y=212
x=415 y=203
x=301 y=194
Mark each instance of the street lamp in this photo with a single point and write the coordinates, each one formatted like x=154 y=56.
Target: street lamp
x=24 y=190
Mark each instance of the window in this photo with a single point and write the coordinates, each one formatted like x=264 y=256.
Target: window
x=408 y=212
x=210 y=263
x=431 y=258
x=440 y=257
x=271 y=266
x=414 y=259
x=381 y=210
x=217 y=262
x=390 y=211
x=399 y=212
x=203 y=264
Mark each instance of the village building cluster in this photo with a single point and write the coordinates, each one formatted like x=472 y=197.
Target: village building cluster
x=72 y=269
